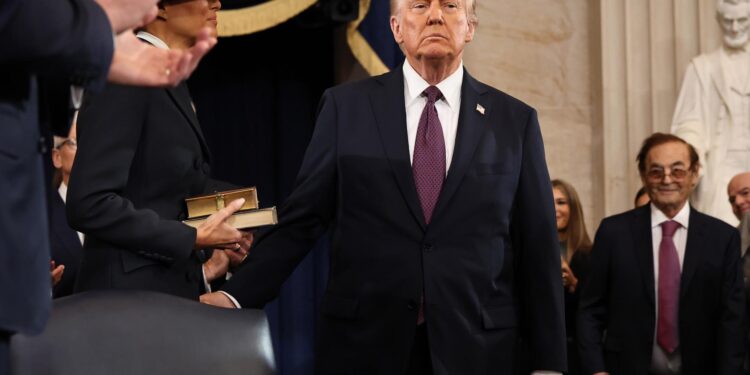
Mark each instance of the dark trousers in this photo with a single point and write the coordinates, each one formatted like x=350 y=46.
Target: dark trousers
x=4 y=352
x=419 y=360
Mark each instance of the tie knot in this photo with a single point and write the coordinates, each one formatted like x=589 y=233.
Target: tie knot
x=669 y=227
x=433 y=94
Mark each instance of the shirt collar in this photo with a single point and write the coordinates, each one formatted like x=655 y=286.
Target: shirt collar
x=658 y=217
x=63 y=190
x=153 y=39
x=449 y=87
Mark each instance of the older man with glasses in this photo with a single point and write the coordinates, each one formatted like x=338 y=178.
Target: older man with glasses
x=665 y=282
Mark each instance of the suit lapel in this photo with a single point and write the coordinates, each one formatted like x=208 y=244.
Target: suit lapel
x=644 y=250
x=471 y=126
x=181 y=97
x=693 y=250
x=390 y=114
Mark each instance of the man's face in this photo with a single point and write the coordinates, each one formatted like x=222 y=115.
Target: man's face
x=739 y=194
x=668 y=177
x=64 y=155
x=735 y=24
x=432 y=29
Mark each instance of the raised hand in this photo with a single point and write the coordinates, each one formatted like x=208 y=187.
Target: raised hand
x=128 y=14
x=141 y=64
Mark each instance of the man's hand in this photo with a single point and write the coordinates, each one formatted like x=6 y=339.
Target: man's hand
x=56 y=272
x=141 y=64
x=237 y=256
x=217 y=299
x=216 y=233
x=128 y=14
x=217 y=265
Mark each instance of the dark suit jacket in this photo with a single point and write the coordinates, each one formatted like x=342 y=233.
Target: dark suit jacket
x=61 y=38
x=65 y=245
x=580 y=265
x=140 y=154
x=619 y=298
x=488 y=263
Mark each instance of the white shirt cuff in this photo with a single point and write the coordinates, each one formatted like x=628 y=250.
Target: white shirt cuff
x=206 y=284
x=234 y=301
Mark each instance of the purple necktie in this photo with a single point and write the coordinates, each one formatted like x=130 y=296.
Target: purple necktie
x=667 y=334
x=428 y=163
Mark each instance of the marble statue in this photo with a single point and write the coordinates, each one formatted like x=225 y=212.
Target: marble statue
x=713 y=110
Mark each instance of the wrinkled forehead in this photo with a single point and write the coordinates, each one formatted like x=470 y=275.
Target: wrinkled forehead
x=668 y=154
x=397 y=4
x=733 y=11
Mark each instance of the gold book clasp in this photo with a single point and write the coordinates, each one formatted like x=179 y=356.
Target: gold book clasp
x=220 y=204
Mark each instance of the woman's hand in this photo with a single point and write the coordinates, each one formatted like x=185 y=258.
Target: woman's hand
x=570 y=282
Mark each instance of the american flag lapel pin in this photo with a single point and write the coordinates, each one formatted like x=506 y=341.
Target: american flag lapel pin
x=480 y=109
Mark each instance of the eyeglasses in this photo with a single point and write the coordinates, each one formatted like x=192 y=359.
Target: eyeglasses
x=72 y=143
x=658 y=174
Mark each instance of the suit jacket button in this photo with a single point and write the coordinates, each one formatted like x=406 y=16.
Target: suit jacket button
x=206 y=168
x=427 y=247
x=412 y=305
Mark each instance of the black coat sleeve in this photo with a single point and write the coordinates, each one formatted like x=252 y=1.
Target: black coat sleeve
x=64 y=38
x=592 y=303
x=109 y=132
x=535 y=239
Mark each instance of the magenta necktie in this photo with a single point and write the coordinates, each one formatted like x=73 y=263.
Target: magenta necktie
x=428 y=163
x=667 y=333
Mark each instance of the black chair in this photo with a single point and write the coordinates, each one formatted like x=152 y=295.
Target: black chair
x=139 y=332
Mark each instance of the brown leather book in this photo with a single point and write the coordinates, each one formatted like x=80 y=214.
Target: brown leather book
x=205 y=205
x=244 y=219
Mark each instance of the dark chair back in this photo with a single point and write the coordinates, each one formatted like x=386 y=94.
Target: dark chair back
x=139 y=332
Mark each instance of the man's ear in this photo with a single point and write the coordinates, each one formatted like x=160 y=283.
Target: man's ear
x=472 y=26
x=696 y=177
x=162 y=13
x=56 y=159
x=396 y=30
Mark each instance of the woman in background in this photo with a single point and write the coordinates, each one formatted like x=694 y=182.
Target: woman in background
x=575 y=246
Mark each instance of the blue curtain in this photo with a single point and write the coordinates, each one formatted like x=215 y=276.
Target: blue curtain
x=375 y=28
x=256 y=98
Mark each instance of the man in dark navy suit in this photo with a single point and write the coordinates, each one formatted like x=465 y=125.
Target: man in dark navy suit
x=436 y=191
x=72 y=40
x=665 y=294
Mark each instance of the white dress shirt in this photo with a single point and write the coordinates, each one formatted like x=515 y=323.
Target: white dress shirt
x=447 y=108
x=63 y=191
x=661 y=362
x=153 y=39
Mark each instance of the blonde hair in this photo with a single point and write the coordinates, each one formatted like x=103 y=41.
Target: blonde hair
x=578 y=237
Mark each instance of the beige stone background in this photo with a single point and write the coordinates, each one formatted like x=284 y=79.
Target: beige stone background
x=603 y=75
